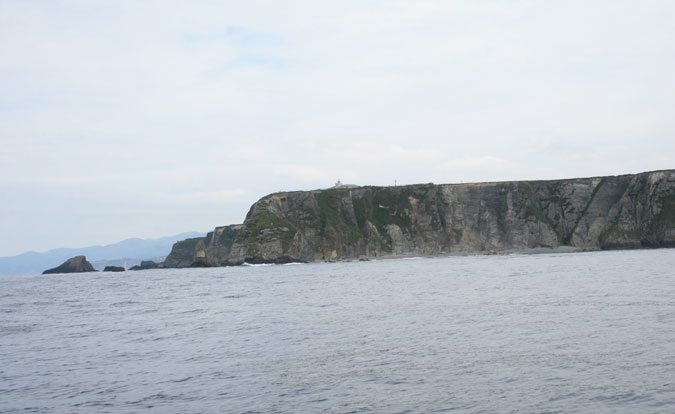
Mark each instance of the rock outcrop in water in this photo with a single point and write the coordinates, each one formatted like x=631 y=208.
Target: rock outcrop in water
x=617 y=212
x=145 y=264
x=113 y=269
x=77 y=264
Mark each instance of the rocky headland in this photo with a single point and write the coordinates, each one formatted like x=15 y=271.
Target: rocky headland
x=582 y=214
x=77 y=264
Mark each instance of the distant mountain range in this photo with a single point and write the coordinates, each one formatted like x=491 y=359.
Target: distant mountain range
x=125 y=253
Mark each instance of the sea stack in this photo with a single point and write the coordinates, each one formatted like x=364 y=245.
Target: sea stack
x=77 y=264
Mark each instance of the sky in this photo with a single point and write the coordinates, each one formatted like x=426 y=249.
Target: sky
x=124 y=119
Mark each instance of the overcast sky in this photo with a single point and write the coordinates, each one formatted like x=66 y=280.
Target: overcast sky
x=148 y=118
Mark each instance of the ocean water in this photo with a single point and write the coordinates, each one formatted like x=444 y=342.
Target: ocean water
x=547 y=333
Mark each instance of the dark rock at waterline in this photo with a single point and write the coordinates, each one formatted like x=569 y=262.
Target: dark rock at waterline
x=145 y=264
x=77 y=264
x=200 y=263
x=276 y=260
x=113 y=269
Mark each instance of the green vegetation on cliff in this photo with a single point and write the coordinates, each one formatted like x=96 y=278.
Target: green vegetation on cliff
x=334 y=219
x=189 y=244
x=383 y=208
x=345 y=214
x=666 y=217
x=268 y=225
x=227 y=236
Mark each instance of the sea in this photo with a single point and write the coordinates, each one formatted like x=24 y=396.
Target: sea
x=545 y=333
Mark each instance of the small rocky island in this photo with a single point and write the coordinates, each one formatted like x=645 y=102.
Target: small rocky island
x=114 y=269
x=77 y=264
x=145 y=264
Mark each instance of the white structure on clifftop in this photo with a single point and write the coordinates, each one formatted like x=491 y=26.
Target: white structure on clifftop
x=339 y=184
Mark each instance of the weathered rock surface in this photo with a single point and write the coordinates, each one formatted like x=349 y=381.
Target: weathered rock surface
x=145 y=264
x=77 y=264
x=616 y=212
x=212 y=250
x=113 y=269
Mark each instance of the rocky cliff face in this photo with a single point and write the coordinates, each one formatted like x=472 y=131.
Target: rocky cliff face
x=212 y=250
x=628 y=211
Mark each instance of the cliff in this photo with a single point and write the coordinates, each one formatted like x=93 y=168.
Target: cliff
x=212 y=250
x=627 y=211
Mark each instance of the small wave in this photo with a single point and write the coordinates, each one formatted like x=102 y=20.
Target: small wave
x=196 y=310
x=161 y=338
x=154 y=397
x=328 y=305
x=271 y=264
x=125 y=303
x=623 y=398
x=94 y=404
x=15 y=329
x=181 y=379
x=41 y=303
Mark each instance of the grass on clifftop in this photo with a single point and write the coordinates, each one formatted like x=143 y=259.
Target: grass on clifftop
x=189 y=244
x=227 y=236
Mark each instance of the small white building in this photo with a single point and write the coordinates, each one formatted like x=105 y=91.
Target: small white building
x=339 y=184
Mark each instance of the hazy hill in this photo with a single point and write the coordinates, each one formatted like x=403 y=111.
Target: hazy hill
x=130 y=251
